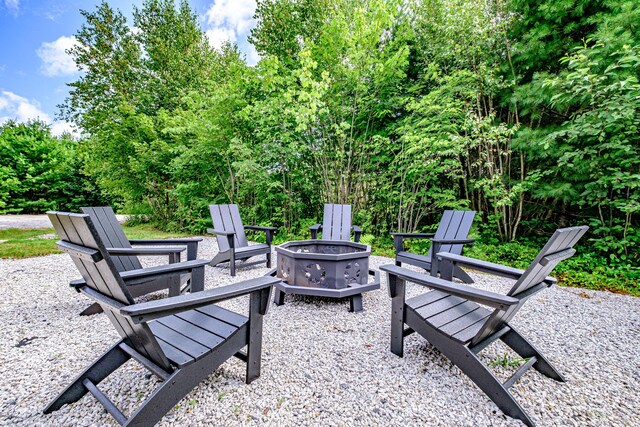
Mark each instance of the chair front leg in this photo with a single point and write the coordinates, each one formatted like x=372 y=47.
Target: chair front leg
x=232 y=254
x=397 y=293
x=398 y=243
x=196 y=282
x=174 y=258
x=435 y=261
x=192 y=251
x=258 y=304
x=269 y=236
x=357 y=232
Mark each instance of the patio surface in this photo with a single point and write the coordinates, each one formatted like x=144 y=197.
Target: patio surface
x=321 y=364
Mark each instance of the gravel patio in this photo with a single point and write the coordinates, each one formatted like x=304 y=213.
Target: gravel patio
x=321 y=364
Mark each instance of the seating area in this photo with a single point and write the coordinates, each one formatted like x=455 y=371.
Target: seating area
x=169 y=358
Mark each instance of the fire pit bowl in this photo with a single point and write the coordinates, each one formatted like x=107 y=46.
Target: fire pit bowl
x=327 y=268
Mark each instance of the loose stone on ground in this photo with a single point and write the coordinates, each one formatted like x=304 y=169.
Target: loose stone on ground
x=321 y=364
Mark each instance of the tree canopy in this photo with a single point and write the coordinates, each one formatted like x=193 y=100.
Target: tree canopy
x=525 y=111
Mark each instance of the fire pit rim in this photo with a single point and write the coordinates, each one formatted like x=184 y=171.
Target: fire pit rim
x=284 y=249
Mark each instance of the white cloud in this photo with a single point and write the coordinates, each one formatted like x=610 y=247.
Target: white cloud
x=58 y=128
x=218 y=36
x=229 y=20
x=21 y=109
x=56 y=61
x=12 y=5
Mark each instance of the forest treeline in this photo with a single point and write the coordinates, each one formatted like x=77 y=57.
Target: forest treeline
x=525 y=111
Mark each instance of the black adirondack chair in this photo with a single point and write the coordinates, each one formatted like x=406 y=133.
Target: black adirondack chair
x=336 y=224
x=181 y=340
x=454 y=318
x=125 y=256
x=451 y=236
x=232 y=241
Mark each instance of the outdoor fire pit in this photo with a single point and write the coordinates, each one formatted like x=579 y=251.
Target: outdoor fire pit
x=328 y=268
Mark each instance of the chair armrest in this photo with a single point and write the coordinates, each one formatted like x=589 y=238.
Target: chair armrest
x=414 y=235
x=144 y=251
x=151 y=310
x=191 y=244
x=180 y=267
x=267 y=230
x=259 y=228
x=177 y=241
x=487 y=267
x=481 y=296
x=220 y=232
x=314 y=230
x=398 y=239
x=453 y=241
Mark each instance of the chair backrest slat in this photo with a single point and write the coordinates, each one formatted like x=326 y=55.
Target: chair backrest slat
x=558 y=247
x=453 y=225
x=561 y=240
x=101 y=275
x=336 y=222
x=112 y=235
x=67 y=231
x=227 y=218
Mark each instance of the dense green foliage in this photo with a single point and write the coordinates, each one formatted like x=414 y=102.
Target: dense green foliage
x=525 y=111
x=39 y=172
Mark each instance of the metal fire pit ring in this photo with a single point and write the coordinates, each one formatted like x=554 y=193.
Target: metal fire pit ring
x=325 y=268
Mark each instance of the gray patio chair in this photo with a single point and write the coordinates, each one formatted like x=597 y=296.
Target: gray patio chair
x=460 y=321
x=182 y=340
x=232 y=241
x=451 y=236
x=336 y=224
x=125 y=256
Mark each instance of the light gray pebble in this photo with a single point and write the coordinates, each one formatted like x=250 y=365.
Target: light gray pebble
x=321 y=364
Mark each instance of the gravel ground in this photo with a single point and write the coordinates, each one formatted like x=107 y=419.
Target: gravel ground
x=321 y=364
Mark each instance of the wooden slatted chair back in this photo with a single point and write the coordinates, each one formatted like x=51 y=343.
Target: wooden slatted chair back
x=81 y=240
x=559 y=247
x=227 y=218
x=112 y=235
x=453 y=225
x=336 y=222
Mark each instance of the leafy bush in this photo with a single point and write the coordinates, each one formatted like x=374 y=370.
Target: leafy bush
x=39 y=172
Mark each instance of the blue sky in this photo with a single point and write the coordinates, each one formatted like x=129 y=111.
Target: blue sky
x=34 y=34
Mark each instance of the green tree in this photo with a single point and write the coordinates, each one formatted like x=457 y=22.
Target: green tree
x=39 y=172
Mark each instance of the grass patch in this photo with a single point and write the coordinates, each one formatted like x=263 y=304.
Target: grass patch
x=26 y=243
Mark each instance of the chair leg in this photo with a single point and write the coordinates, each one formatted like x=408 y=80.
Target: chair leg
x=100 y=369
x=355 y=303
x=258 y=304
x=397 y=291
x=278 y=297
x=181 y=382
x=462 y=275
x=173 y=283
x=472 y=367
x=197 y=279
x=469 y=363
x=525 y=349
x=269 y=259
x=94 y=308
x=232 y=263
